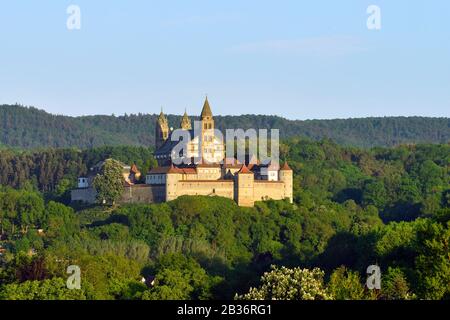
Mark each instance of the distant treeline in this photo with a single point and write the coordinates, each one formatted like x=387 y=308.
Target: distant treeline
x=24 y=127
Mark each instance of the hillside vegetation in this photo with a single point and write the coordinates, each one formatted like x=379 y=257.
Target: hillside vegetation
x=352 y=208
x=23 y=127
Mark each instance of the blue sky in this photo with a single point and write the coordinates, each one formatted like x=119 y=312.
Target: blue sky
x=296 y=59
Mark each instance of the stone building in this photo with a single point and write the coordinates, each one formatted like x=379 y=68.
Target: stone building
x=208 y=173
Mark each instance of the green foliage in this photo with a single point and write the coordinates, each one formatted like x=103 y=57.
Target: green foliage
x=353 y=208
x=109 y=183
x=60 y=221
x=113 y=231
x=433 y=261
x=203 y=247
x=289 y=284
x=23 y=127
x=147 y=222
x=50 y=289
x=374 y=193
x=180 y=278
x=345 y=284
x=54 y=171
x=395 y=285
x=22 y=209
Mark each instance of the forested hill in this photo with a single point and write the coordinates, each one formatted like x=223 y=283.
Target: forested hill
x=28 y=127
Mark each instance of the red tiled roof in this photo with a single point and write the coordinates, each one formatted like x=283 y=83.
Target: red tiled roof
x=189 y=170
x=286 y=167
x=174 y=169
x=244 y=169
x=159 y=170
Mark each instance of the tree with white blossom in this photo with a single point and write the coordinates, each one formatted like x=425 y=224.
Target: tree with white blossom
x=289 y=284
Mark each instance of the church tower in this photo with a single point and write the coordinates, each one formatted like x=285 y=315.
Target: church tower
x=161 y=130
x=185 y=122
x=207 y=138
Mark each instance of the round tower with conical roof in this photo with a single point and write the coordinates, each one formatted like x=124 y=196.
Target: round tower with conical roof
x=287 y=177
x=244 y=187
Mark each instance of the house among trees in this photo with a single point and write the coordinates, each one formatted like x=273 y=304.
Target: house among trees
x=211 y=175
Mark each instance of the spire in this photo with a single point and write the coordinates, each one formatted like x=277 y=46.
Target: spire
x=161 y=129
x=162 y=119
x=228 y=175
x=185 y=122
x=162 y=115
x=206 y=111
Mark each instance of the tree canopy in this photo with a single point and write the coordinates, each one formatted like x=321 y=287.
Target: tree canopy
x=352 y=208
x=28 y=127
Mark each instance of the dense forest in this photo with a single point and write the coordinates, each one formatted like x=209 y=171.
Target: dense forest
x=24 y=127
x=352 y=208
x=45 y=169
